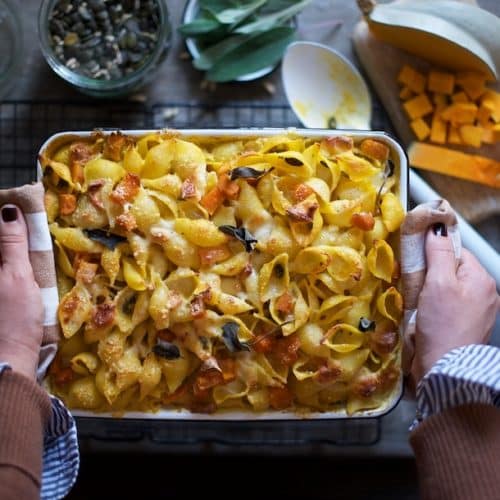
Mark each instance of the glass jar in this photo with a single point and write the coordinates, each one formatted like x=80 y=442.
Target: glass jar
x=112 y=87
x=11 y=46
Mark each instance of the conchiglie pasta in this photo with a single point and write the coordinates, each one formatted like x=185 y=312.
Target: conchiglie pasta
x=160 y=309
x=380 y=260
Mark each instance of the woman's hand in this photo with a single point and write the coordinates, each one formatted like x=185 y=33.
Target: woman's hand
x=21 y=308
x=457 y=305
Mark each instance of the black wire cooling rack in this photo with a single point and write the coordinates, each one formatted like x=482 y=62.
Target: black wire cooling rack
x=26 y=125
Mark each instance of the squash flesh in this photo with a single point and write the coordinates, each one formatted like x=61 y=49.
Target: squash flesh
x=455 y=163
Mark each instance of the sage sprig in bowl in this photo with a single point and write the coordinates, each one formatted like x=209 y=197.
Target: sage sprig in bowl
x=238 y=39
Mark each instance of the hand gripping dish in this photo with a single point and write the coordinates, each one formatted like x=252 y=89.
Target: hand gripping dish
x=243 y=274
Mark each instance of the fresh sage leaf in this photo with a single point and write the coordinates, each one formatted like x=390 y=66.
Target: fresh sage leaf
x=261 y=51
x=247 y=173
x=200 y=26
x=166 y=350
x=238 y=14
x=231 y=35
x=230 y=337
x=241 y=234
x=109 y=240
x=269 y=21
x=210 y=56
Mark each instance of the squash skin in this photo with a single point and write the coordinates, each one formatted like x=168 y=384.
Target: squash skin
x=450 y=34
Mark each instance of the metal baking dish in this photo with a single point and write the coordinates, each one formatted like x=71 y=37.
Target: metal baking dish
x=400 y=161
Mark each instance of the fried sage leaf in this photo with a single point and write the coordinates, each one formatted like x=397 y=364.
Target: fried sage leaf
x=241 y=234
x=166 y=350
x=366 y=324
x=247 y=173
x=230 y=337
x=109 y=240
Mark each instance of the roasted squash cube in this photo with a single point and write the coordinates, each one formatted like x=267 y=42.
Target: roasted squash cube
x=438 y=129
x=471 y=135
x=460 y=113
x=484 y=112
x=441 y=82
x=420 y=128
x=375 y=149
x=472 y=82
x=460 y=97
x=494 y=98
x=418 y=106
x=405 y=93
x=440 y=101
x=410 y=77
x=488 y=134
x=453 y=135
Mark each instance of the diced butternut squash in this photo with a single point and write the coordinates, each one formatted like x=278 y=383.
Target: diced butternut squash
x=67 y=204
x=453 y=135
x=460 y=113
x=471 y=135
x=420 y=128
x=491 y=133
x=375 y=149
x=460 y=97
x=488 y=135
x=418 y=106
x=414 y=80
x=494 y=98
x=441 y=82
x=464 y=111
x=405 y=93
x=438 y=129
x=440 y=100
x=484 y=112
x=455 y=163
x=472 y=82
x=496 y=132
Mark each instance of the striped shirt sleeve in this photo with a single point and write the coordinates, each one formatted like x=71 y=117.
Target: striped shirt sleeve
x=468 y=374
x=61 y=458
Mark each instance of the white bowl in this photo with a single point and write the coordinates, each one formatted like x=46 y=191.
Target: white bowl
x=321 y=85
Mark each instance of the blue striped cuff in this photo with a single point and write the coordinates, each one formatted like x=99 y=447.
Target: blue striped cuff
x=61 y=458
x=469 y=374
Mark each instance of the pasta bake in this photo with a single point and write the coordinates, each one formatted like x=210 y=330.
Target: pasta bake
x=210 y=273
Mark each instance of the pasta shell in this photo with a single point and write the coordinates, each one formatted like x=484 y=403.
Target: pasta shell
x=380 y=260
x=84 y=363
x=343 y=338
x=334 y=308
x=355 y=167
x=99 y=168
x=390 y=304
x=310 y=336
x=274 y=278
x=74 y=309
x=392 y=211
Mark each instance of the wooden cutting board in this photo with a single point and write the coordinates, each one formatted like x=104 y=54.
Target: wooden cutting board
x=382 y=63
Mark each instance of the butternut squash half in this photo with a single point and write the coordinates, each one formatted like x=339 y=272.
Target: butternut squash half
x=448 y=33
